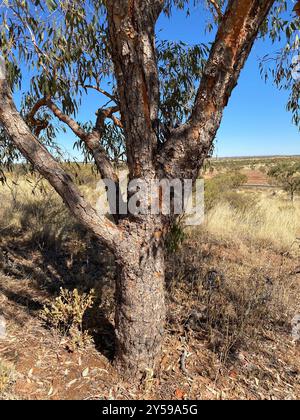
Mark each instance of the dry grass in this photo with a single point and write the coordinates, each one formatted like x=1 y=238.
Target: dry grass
x=31 y=207
x=233 y=290
x=272 y=220
x=7 y=378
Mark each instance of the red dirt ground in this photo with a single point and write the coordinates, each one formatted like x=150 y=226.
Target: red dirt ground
x=45 y=369
x=255 y=177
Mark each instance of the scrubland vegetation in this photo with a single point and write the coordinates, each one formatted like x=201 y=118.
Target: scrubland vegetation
x=232 y=286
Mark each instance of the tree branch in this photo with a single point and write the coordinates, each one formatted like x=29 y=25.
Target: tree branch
x=100 y=90
x=40 y=53
x=102 y=114
x=37 y=124
x=217 y=8
x=92 y=141
x=47 y=166
x=37 y=106
x=72 y=124
x=184 y=152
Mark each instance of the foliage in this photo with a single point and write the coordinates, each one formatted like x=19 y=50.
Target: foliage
x=180 y=68
x=287 y=175
x=221 y=185
x=283 y=64
x=66 y=314
x=175 y=238
x=63 y=46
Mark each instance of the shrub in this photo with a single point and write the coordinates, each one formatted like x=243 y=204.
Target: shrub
x=217 y=187
x=287 y=175
x=7 y=377
x=66 y=314
x=175 y=237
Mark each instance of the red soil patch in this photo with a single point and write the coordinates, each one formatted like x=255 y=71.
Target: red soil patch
x=256 y=177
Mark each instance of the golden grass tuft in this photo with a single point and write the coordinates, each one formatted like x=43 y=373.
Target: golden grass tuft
x=272 y=220
x=7 y=376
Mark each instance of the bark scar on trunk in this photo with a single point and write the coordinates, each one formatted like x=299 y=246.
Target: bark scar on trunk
x=146 y=102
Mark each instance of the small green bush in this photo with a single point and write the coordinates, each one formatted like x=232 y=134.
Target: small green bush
x=217 y=187
x=175 y=238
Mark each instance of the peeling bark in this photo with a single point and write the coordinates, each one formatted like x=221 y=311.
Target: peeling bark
x=131 y=26
x=132 y=39
x=140 y=305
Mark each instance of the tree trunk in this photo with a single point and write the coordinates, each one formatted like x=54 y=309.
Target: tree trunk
x=140 y=307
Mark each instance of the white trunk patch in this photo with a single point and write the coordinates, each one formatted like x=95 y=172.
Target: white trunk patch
x=2 y=68
x=296 y=328
x=2 y=328
x=125 y=49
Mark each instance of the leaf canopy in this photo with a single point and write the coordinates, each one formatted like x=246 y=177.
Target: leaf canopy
x=62 y=46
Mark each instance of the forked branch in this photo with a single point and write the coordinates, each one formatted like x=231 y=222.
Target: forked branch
x=47 y=166
x=92 y=140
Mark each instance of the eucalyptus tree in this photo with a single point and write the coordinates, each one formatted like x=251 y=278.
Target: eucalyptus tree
x=165 y=102
x=287 y=175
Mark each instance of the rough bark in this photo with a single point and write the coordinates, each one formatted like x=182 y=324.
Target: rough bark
x=140 y=305
x=132 y=39
x=140 y=302
x=131 y=26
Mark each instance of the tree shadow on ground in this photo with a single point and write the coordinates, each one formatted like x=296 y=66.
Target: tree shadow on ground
x=81 y=262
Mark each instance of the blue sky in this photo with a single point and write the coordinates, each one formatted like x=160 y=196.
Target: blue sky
x=255 y=122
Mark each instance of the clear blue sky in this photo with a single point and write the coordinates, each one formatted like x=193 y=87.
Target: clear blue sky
x=255 y=122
